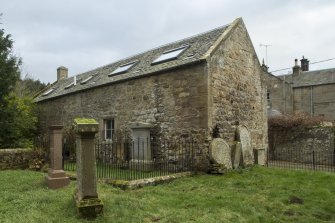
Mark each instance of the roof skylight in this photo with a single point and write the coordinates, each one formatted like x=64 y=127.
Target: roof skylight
x=86 y=80
x=69 y=85
x=170 y=55
x=123 y=68
x=48 y=92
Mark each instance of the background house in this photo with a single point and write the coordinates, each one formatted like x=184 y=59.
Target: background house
x=306 y=91
x=186 y=88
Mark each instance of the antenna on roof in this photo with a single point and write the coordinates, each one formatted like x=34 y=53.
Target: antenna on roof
x=266 y=52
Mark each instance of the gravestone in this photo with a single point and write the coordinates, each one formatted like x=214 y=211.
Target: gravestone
x=87 y=201
x=243 y=136
x=237 y=156
x=220 y=155
x=141 y=154
x=56 y=176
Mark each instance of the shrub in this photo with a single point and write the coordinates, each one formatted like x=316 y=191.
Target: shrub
x=294 y=120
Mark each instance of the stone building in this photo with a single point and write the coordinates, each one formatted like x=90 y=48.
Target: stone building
x=186 y=88
x=306 y=91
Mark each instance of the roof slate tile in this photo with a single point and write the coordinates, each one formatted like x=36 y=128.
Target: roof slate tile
x=198 y=47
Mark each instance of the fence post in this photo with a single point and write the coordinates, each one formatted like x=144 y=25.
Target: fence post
x=87 y=201
x=313 y=161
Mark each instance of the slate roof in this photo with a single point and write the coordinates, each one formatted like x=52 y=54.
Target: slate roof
x=311 y=78
x=199 y=45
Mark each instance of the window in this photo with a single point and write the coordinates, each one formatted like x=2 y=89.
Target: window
x=73 y=83
x=268 y=95
x=69 y=85
x=86 y=80
x=170 y=55
x=48 y=92
x=123 y=68
x=108 y=128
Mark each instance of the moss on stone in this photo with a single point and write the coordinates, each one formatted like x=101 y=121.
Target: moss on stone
x=90 y=207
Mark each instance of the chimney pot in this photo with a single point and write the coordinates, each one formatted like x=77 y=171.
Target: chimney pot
x=296 y=69
x=62 y=73
x=304 y=64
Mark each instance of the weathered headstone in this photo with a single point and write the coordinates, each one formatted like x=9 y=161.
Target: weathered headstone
x=56 y=176
x=220 y=154
x=243 y=136
x=141 y=155
x=237 y=156
x=87 y=201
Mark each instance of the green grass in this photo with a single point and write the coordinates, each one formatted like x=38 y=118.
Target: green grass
x=254 y=195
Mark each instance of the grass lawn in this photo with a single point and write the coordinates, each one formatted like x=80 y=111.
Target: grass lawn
x=255 y=195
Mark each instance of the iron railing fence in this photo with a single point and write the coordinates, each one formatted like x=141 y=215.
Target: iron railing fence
x=139 y=158
x=303 y=160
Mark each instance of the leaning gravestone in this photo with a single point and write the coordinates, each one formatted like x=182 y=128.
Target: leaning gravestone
x=237 y=155
x=243 y=135
x=87 y=201
x=220 y=156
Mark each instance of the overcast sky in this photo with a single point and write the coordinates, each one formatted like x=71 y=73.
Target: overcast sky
x=83 y=35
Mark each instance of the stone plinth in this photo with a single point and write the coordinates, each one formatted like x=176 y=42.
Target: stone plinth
x=56 y=176
x=87 y=201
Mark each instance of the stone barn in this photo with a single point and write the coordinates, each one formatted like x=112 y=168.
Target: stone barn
x=204 y=86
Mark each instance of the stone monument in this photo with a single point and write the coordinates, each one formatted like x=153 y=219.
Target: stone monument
x=243 y=136
x=220 y=156
x=87 y=201
x=56 y=176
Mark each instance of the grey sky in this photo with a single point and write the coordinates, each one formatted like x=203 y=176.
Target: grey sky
x=83 y=35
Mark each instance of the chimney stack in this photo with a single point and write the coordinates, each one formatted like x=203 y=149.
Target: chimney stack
x=296 y=69
x=62 y=73
x=304 y=64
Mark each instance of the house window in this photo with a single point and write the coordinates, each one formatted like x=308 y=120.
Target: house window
x=170 y=55
x=123 y=68
x=108 y=128
x=86 y=80
x=48 y=92
x=268 y=95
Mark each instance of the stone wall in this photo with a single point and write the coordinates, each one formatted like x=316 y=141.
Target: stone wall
x=15 y=158
x=316 y=100
x=237 y=90
x=299 y=144
x=174 y=103
x=280 y=94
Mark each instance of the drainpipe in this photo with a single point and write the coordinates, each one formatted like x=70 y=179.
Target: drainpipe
x=311 y=101
x=284 y=93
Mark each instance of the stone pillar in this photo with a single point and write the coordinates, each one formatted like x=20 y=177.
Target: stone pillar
x=56 y=176
x=88 y=203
